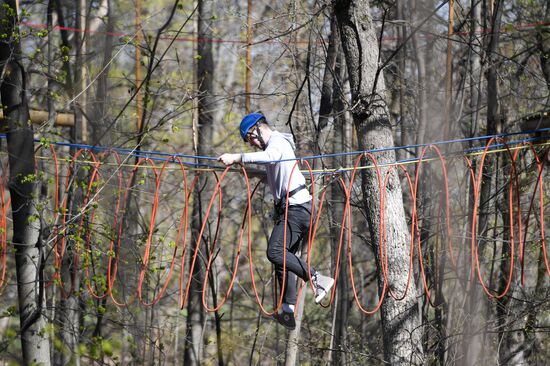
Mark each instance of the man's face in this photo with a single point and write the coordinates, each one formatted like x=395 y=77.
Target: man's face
x=252 y=137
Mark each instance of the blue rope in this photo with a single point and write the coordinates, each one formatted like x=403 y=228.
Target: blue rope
x=137 y=153
x=487 y=137
x=161 y=156
x=433 y=156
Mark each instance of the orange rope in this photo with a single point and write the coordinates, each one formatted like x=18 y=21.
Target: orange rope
x=475 y=254
x=347 y=213
x=518 y=230
x=237 y=255
x=217 y=191
x=147 y=253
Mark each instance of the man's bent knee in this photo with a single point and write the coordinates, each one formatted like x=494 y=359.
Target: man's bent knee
x=275 y=256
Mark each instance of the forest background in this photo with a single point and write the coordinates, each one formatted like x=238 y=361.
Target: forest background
x=118 y=228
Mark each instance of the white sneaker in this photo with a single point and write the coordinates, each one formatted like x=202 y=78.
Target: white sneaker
x=322 y=285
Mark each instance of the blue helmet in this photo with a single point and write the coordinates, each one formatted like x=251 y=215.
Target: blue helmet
x=248 y=122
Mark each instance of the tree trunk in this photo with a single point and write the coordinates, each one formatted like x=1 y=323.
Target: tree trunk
x=292 y=345
x=476 y=306
x=333 y=138
x=22 y=186
x=292 y=348
x=337 y=199
x=343 y=300
x=457 y=301
x=420 y=59
x=205 y=187
x=400 y=323
x=98 y=111
x=67 y=311
x=474 y=51
x=67 y=314
x=327 y=88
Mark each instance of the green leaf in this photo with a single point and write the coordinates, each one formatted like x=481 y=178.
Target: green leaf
x=107 y=347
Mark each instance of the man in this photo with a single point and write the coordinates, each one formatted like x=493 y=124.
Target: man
x=278 y=146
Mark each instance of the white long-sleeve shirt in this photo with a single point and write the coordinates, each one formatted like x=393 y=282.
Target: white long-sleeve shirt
x=281 y=147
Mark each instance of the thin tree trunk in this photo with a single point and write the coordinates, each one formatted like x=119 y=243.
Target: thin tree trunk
x=420 y=59
x=424 y=195
x=195 y=314
x=67 y=312
x=539 y=295
x=473 y=344
x=49 y=96
x=510 y=324
x=475 y=66
x=68 y=315
x=293 y=347
x=457 y=307
x=65 y=45
x=98 y=111
x=22 y=185
x=400 y=323
x=406 y=125
x=327 y=88
x=337 y=199
x=343 y=302
x=205 y=187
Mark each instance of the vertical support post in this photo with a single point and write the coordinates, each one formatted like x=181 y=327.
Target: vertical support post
x=195 y=100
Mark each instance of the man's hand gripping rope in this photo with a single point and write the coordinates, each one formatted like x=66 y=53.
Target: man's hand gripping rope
x=230 y=159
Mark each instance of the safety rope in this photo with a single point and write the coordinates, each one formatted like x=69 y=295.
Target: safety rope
x=101 y=265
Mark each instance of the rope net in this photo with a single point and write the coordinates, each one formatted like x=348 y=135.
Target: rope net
x=123 y=224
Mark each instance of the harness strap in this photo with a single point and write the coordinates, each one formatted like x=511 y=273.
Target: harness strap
x=281 y=202
x=296 y=190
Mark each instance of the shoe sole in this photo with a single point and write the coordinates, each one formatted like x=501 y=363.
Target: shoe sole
x=275 y=318
x=322 y=295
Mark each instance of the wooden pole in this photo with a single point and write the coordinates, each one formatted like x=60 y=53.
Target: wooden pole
x=41 y=117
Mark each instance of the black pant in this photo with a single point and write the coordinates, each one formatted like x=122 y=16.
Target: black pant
x=297 y=230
